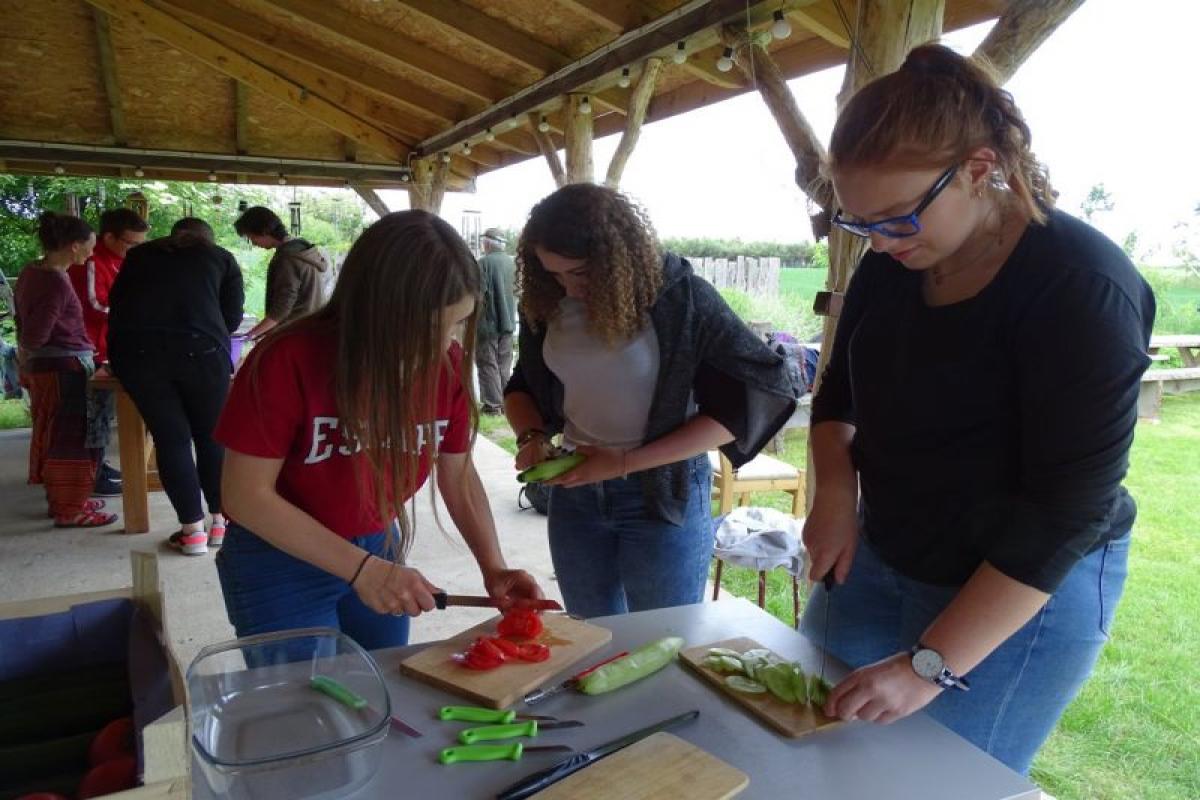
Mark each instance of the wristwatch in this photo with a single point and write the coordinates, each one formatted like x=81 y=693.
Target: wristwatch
x=929 y=664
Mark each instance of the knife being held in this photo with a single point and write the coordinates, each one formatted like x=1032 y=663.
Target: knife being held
x=443 y=601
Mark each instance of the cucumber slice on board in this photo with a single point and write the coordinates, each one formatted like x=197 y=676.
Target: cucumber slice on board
x=741 y=684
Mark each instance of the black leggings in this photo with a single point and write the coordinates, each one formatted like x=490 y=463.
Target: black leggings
x=179 y=384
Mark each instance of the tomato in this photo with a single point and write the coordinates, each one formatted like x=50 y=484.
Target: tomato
x=521 y=622
x=510 y=649
x=533 y=652
x=114 y=740
x=109 y=778
x=483 y=654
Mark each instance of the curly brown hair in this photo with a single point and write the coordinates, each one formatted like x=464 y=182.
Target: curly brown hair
x=616 y=238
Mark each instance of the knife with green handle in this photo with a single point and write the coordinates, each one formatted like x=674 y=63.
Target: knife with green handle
x=496 y=752
x=511 y=731
x=495 y=716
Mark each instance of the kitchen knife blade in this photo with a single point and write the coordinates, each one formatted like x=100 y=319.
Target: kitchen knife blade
x=538 y=695
x=538 y=781
x=828 y=582
x=443 y=600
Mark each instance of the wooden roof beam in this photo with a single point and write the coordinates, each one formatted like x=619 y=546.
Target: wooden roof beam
x=428 y=102
x=638 y=104
x=549 y=151
x=398 y=47
x=157 y=24
x=241 y=118
x=630 y=48
x=1021 y=29
x=491 y=33
x=372 y=199
x=108 y=75
x=614 y=15
x=824 y=20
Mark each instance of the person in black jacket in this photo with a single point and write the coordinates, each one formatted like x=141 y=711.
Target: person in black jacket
x=173 y=309
x=973 y=425
x=644 y=369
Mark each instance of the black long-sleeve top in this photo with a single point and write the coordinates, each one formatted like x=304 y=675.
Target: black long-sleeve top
x=998 y=428
x=171 y=286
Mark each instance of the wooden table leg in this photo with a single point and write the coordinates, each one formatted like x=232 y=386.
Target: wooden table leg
x=131 y=437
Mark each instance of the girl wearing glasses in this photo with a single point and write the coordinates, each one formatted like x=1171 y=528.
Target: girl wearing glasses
x=973 y=427
x=644 y=368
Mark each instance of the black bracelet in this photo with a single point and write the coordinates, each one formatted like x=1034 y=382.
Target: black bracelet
x=361 y=564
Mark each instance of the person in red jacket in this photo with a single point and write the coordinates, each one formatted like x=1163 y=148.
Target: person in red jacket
x=120 y=230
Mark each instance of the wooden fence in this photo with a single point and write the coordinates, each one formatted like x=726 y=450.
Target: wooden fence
x=754 y=276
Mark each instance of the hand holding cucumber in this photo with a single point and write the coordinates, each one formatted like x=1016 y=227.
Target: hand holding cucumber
x=597 y=464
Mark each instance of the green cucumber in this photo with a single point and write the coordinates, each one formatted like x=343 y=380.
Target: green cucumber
x=551 y=468
x=644 y=661
x=778 y=678
x=744 y=685
x=799 y=684
x=818 y=691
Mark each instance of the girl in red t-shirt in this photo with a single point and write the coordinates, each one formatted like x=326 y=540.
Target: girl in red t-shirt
x=335 y=422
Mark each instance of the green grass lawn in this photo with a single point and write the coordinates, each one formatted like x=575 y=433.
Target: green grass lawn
x=1134 y=731
x=13 y=415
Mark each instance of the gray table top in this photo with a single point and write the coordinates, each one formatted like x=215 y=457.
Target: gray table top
x=913 y=758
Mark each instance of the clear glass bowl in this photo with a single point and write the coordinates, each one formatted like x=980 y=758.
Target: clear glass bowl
x=260 y=729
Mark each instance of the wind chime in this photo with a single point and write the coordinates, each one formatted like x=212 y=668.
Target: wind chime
x=294 y=210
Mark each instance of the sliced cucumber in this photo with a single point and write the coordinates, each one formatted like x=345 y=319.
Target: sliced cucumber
x=818 y=691
x=799 y=684
x=723 y=664
x=778 y=678
x=745 y=685
x=723 y=651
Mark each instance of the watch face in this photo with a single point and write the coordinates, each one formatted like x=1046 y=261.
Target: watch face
x=928 y=663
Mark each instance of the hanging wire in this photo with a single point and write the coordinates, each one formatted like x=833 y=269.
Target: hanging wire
x=866 y=62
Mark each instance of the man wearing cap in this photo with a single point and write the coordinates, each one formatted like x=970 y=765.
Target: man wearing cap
x=497 y=317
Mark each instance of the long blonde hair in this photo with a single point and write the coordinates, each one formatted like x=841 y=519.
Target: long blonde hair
x=398 y=279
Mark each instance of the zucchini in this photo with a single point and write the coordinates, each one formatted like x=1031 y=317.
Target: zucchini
x=645 y=661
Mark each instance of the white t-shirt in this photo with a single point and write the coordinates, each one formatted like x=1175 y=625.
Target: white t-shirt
x=607 y=389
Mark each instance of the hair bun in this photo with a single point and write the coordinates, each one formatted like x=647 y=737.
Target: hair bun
x=933 y=59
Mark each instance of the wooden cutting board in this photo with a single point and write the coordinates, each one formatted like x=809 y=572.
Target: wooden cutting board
x=570 y=642
x=790 y=719
x=659 y=767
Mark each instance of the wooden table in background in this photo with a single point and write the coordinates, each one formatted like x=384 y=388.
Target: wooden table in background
x=131 y=440
x=1188 y=347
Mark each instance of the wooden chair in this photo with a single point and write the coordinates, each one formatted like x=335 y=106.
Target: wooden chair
x=734 y=486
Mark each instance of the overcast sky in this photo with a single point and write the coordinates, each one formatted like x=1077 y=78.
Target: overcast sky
x=1110 y=97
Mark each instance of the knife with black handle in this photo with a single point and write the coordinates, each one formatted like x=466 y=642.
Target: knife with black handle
x=538 y=781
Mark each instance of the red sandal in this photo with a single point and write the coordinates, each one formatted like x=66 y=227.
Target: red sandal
x=86 y=519
x=88 y=505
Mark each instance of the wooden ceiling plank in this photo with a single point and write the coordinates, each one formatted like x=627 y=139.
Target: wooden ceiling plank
x=824 y=20
x=241 y=118
x=614 y=15
x=491 y=33
x=108 y=75
x=399 y=48
x=163 y=26
x=367 y=76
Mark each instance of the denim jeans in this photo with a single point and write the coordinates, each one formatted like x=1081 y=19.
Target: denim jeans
x=268 y=590
x=1022 y=688
x=611 y=556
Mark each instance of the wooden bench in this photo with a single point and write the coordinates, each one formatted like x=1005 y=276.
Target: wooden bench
x=1159 y=382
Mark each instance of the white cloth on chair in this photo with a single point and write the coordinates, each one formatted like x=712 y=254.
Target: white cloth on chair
x=761 y=539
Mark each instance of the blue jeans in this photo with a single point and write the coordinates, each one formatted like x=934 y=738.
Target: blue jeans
x=1019 y=691
x=267 y=590
x=611 y=556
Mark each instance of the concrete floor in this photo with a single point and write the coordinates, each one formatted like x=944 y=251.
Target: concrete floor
x=38 y=560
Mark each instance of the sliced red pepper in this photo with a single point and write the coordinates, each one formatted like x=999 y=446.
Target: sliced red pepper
x=533 y=652
x=521 y=622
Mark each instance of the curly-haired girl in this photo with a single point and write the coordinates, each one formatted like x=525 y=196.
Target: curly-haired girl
x=644 y=368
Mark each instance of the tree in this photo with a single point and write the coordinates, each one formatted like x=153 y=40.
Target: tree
x=1098 y=200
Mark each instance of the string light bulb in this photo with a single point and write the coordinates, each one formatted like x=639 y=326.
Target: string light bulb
x=680 y=54
x=138 y=172
x=212 y=177
x=466 y=148
x=544 y=126
x=59 y=169
x=445 y=158
x=725 y=62
x=282 y=180
x=489 y=136
x=624 y=81
x=585 y=105
x=404 y=178
x=780 y=28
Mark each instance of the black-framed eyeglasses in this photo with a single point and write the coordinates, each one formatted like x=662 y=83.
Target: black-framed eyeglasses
x=898 y=227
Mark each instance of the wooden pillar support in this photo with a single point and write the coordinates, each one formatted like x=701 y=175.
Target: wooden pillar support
x=372 y=199
x=580 y=168
x=757 y=65
x=428 y=186
x=549 y=151
x=884 y=33
x=1021 y=29
x=639 y=101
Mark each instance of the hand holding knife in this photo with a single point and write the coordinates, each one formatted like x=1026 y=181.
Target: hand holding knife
x=442 y=600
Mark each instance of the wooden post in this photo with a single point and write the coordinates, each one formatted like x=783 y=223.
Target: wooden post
x=580 y=168
x=549 y=151
x=756 y=63
x=372 y=199
x=884 y=33
x=1021 y=29
x=639 y=101
x=428 y=185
